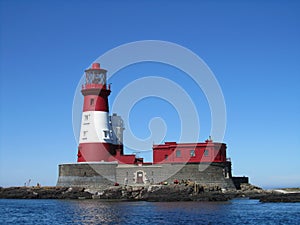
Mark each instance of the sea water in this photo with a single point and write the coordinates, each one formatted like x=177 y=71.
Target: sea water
x=237 y=211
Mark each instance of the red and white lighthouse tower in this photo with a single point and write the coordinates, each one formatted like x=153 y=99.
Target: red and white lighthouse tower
x=96 y=138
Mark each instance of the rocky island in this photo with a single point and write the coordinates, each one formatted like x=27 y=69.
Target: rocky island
x=157 y=193
x=198 y=171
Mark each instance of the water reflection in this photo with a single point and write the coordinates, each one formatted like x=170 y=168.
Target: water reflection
x=101 y=212
x=239 y=211
x=93 y=212
x=188 y=206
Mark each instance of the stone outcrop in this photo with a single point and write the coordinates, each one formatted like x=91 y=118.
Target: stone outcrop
x=247 y=191
x=157 y=193
x=121 y=193
x=184 y=193
x=279 y=197
x=44 y=193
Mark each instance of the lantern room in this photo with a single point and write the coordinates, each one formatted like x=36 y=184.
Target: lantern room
x=95 y=77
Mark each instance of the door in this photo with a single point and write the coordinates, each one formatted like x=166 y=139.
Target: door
x=140 y=177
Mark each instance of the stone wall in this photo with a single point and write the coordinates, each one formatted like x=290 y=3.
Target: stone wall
x=213 y=174
x=240 y=180
x=102 y=175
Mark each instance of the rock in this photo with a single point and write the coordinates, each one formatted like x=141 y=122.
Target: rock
x=169 y=193
x=249 y=187
x=44 y=193
x=17 y=192
x=173 y=192
x=111 y=193
x=77 y=193
x=278 y=197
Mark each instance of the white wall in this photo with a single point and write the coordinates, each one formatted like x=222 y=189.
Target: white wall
x=94 y=125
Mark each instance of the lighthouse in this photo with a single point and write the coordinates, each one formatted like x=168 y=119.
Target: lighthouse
x=101 y=159
x=101 y=134
x=96 y=133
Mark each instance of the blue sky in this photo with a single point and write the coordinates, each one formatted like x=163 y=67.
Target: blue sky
x=251 y=46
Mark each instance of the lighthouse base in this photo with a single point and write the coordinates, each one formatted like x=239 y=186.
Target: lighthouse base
x=101 y=175
x=93 y=175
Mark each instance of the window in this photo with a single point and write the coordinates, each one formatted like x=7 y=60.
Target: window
x=84 y=135
x=106 y=134
x=178 y=153
x=192 y=153
x=166 y=157
x=86 y=117
x=92 y=101
x=206 y=152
